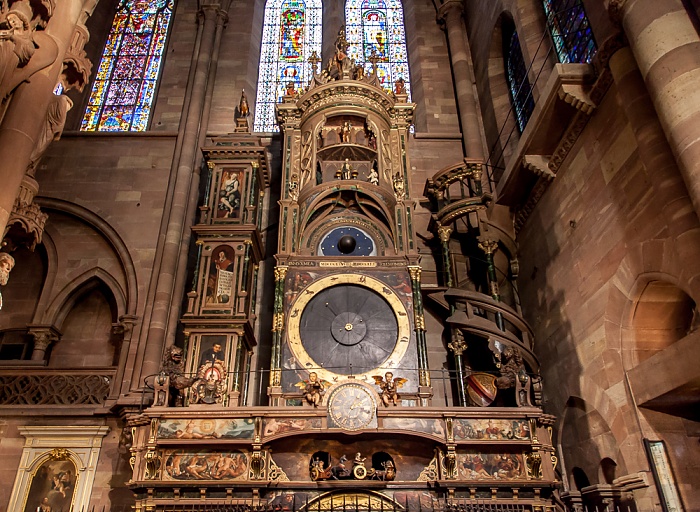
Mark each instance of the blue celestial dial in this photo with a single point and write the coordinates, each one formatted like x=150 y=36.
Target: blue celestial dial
x=347 y=241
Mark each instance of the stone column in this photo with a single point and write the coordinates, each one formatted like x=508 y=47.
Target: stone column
x=43 y=337
x=444 y=233
x=670 y=192
x=457 y=345
x=184 y=178
x=666 y=47
x=26 y=112
x=450 y=13
x=489 y=247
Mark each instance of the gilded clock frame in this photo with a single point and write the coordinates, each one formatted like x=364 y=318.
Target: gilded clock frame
x=340 y=416
x=305 y=296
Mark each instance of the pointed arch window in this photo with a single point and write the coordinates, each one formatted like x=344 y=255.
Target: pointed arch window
x=518 y=82
x=122 y=95
x=570 y=31
x=377 y=25
x=291 y=33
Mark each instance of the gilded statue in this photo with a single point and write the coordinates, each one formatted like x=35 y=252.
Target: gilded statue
x=390 y=388
x=313 y=389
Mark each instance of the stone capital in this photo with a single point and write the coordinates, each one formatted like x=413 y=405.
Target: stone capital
x=488 y=246
x=450 y=9
x=43 y=336
x=444 y=232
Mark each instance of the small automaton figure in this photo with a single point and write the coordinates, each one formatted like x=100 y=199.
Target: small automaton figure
x=313 y=389
x=389 y=386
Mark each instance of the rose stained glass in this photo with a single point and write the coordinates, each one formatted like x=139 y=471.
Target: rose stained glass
x=291 y=32
x=570 y=30
x=125 y=82
x=377 y=26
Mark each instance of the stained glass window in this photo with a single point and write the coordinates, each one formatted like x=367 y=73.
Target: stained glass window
x=125 y=83
x=377 y=26
x=570 y=30
x=518 y=82
x=291 y=32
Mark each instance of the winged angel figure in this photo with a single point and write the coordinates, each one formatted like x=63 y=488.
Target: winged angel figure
x=313 y=388
x=389 y=386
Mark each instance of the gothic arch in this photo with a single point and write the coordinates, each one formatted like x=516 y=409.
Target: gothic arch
x=93 y=220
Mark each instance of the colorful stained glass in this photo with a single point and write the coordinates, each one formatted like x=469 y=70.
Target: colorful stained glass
x=518 y=82
x=291 y=32
x=377 y=26
x=126 y=78
x=570 y=30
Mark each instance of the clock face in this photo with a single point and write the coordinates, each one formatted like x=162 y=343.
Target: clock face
x=352 y=407
x=347 y=241
x=348 y=324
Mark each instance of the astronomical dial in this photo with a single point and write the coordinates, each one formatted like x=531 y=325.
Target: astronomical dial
x=348 y=324
x=351 y=406
x=347 y=241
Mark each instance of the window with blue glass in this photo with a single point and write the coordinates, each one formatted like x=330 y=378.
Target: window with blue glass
x=376 y=26
x=125 y=83
x=291 y=33
x=570 y=30
x=518 y=82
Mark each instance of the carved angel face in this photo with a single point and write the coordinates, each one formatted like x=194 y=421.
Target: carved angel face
x=15 y=22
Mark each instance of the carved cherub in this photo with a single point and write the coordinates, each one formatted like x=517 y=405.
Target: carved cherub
x=313 y=389
x=389 y=386
x=511 y=366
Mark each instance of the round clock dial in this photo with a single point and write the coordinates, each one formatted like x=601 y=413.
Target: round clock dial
x=351 y=406
x=348 y=324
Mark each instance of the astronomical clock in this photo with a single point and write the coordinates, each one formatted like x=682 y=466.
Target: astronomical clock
x=348 y=301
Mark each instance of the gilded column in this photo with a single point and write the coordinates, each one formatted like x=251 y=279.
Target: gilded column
x=457 y=345
x=666 y=46
x=444 y=233
x=451 y=14
x=489 y=247
x=278 y=326
x=419 y=320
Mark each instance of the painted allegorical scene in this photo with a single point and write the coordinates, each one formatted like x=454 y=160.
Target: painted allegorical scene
x=491 y=429
x=229 y=203
x=242 y=428
x=275 y=426
x=52 y=487
x=220 y=279
x=434 y=427
x=491 y=466
x=205 y=465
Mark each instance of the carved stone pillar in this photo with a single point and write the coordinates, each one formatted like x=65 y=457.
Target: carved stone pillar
x=43 y=337
x=666 y=46
x=415 y=272
x=31 y=94
x=489 y=247
x=186 y=176
x=451 y=14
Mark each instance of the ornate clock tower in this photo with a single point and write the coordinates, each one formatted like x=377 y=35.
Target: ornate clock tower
x=347 y=301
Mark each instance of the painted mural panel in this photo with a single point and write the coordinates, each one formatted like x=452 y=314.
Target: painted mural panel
x=206 y=429
x=221 y=276
x=52 y=487
x=491 y=466
x=491 y=429
x=432 y=426
x=275 y=426
x=205 y=465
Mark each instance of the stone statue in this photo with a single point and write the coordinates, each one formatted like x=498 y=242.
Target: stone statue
x=174 y=368
x=389 y=386
x=7 y=263
x=23 y=51
x=53 y=128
